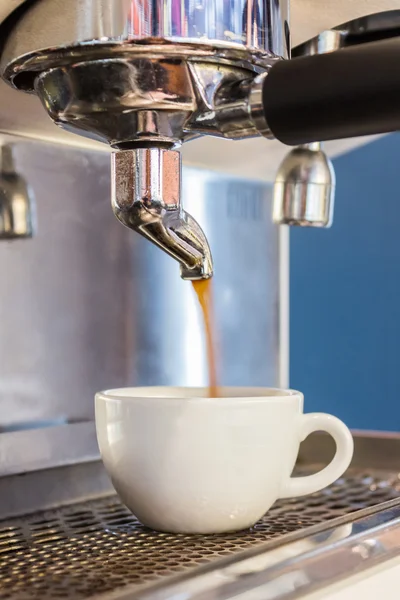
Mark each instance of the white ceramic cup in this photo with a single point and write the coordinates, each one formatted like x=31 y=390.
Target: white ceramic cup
x=182 y=462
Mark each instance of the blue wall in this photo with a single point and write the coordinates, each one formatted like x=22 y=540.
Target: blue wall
x=345 y=295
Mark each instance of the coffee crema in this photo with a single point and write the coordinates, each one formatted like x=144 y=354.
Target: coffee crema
x=204 y=292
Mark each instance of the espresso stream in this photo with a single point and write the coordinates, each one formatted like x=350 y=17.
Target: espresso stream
x=203 y=289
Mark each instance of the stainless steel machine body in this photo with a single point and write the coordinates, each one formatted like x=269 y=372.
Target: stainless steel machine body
x=85 y=304
x=145 y=77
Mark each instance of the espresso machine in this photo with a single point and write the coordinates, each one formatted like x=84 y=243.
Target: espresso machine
x=174 y=113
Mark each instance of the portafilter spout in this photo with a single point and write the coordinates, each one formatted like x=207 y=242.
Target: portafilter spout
x=146 y=197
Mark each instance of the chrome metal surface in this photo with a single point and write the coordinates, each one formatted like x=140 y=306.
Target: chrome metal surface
x=385 y=21
x=304 y=193
x=326 y=41
x=29 y=450
x=63 y=551
x=304 y=190
x=99 y=547
x=259 y=28
x=87 y=304
x=47 y=488
x=146 y=99
x=17 y=204
x=379 y=25
x=223 y=107
x=129 y=71
x=48 y=466
x=120 y=100
x=256 y=106
x=22 y=115
x=377 y=451
x=146 y=197
x=321 y=557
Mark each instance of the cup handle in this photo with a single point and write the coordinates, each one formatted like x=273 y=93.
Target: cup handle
x=309 y=484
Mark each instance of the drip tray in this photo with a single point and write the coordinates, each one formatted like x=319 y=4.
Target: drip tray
x=98 y=547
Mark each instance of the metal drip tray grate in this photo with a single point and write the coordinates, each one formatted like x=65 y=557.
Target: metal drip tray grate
x=83 y=550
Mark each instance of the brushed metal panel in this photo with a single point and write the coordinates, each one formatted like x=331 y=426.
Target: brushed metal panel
x=87 y=304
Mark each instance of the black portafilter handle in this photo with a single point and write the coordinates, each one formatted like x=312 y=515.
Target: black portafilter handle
x=346 y=93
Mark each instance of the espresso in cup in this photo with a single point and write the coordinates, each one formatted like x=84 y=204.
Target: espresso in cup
x=186 y=463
